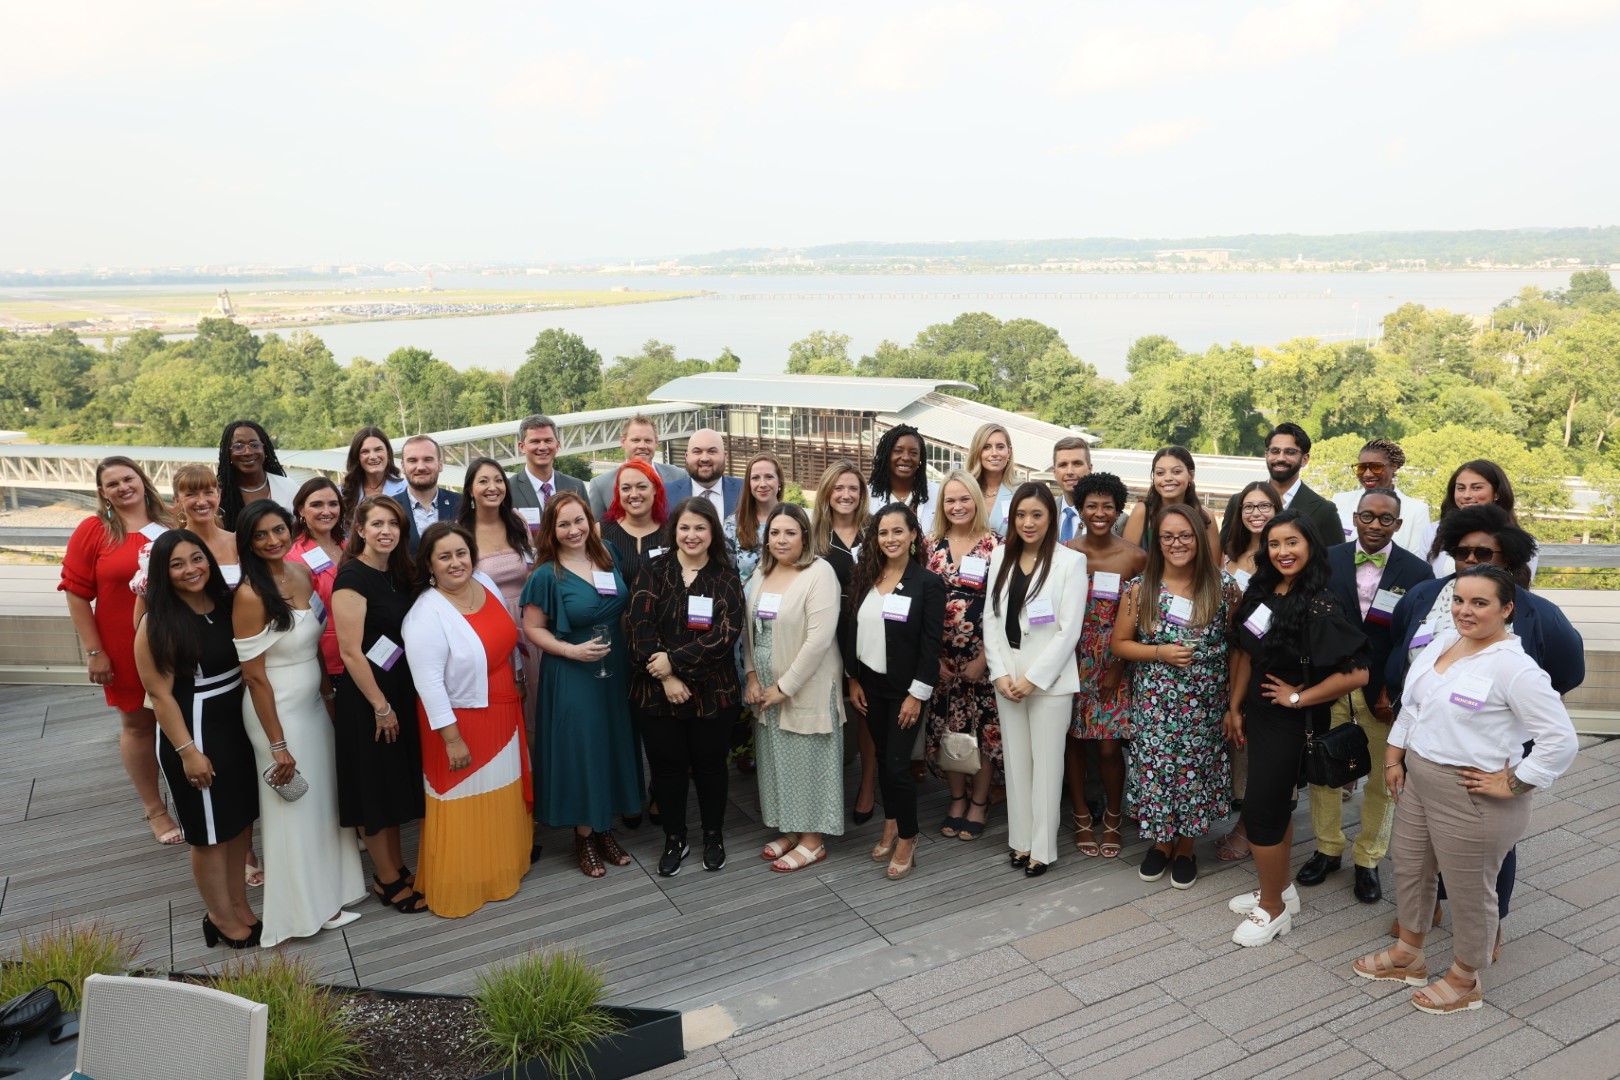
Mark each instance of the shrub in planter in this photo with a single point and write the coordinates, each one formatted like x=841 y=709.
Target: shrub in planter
x=543 y=1005
x=69 y=951
x=309 y=1038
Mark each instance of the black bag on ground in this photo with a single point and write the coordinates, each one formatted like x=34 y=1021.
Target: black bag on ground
x=30 y=1014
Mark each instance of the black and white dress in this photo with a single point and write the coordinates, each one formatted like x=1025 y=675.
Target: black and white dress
x=210 y=700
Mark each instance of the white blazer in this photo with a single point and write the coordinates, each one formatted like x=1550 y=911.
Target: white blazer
x=447 y=657
x=1047 y=655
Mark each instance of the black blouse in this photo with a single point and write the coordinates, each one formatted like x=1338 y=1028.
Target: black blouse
x=702 y=658
x=1332 y=645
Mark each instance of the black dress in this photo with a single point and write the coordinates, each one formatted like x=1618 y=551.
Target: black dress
x=1275 y=734
x=379 y=782
x=210 y=700
x=633 y=551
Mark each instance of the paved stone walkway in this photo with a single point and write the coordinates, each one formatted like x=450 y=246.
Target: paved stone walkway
x=1152 y=985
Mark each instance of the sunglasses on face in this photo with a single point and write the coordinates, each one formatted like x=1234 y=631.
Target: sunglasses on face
x=1473 y=554
x=1367 y=517
x=1362 y=468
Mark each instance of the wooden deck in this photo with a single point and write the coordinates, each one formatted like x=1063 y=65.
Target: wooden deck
x=73 y=845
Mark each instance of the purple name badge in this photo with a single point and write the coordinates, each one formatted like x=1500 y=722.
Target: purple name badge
x=1181 y=611
x=1471 y=692
x=385 y=653
x=1039 y=610
x=896 y=608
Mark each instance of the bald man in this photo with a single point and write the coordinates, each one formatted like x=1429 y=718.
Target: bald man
x=706 y=474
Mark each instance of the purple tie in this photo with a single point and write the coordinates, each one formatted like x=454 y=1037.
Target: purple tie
x=545 y=492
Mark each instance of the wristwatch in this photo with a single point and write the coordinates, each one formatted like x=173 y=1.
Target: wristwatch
x=1293 y=699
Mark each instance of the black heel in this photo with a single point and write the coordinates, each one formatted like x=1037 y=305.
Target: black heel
x=213 y=935
x=411 y=903
x=210 y=932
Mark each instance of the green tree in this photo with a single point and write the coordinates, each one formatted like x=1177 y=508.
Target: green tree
x=1072 y=391
x=820 y=353
x=1292 y=376
x=560 y=375
x=1579 y=365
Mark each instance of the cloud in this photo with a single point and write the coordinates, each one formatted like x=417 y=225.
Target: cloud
x=1394 y=151
x=1146 y=138
x=1446 y=24
x=914 y=53
x=1126 y=56
x=1295 y=28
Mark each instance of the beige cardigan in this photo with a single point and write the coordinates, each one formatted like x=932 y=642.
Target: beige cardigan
x=805 y=636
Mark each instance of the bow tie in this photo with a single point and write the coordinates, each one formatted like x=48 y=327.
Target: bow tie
x=1377 y=560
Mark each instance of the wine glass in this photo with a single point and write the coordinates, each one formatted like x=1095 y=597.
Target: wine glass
x=599 y=636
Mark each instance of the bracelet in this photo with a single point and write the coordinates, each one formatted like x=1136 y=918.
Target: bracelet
x=187 y=746
x=1155 y=653
x=385 y=712
x=278 y=747
x=1397 y=765
x=92 y=652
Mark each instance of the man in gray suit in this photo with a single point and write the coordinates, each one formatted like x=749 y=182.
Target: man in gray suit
x=639 y=439
x=1288 y=450
x=534 y=484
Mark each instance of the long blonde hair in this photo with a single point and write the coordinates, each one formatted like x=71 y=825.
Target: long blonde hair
x=155 y=508
x=748 y=520
x=976 y=449
x=821 y=531
x=981 y=511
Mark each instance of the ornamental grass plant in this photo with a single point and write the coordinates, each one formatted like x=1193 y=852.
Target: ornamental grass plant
x=70 y=951
x=308 y=1037
x=542 y=1005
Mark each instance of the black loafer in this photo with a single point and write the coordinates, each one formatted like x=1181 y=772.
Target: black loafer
x=1035 y=869
x=1019 y=859
x=1317 y=868
x=1369 y=890
x=1153 y=864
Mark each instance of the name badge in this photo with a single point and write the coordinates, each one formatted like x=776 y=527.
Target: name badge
x=153 y=530
x=1242 y=578
x=318 y=608
x=896 y=608
x=1383 y=604
x=1040 y=611
x=973 y=570
x=769 y=604
x=606 y=583
x=1424 y=635
x=1259 y=621
x=1105 y=586
x=655 y=552
x=385 y=654
x=699 y=612
x=1348 y=533
x=1181 y=611
x=233 y=574
x=317 y=560
x=1471 y=691
x=855 y=553
x=531 y=516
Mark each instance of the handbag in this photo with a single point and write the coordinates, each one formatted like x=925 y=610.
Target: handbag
x=29 y=1014
x=1337 y=757
x=292 y=790
x=959 y=752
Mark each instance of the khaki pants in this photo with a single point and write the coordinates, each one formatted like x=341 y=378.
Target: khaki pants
x=1327 y=804
x=1440 y=827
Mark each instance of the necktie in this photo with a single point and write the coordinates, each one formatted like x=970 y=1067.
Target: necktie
x=545 y=493
x=1377 y=560
x=1066 y=532
x=718 y=500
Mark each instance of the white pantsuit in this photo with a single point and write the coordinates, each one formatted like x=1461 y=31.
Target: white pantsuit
x=1033 y=730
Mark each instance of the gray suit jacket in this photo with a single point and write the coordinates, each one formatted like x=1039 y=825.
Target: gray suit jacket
x=523 y=493
x=601 y=487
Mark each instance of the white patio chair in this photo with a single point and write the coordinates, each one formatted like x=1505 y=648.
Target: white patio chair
x=153 y=1029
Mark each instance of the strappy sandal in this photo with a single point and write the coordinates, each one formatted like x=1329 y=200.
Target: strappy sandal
x=168 y=837
x=611 y=849
x=1227 y=847
x=799 y=858
x=881 y=853
x=779 y=847
x=1111 y=848
x=895 y=871
x=972 y=830
x=1386 y=966
x=411 y=903
x=953 y=822
x=1440 y=998
x=589 y=856
x=1086 y=847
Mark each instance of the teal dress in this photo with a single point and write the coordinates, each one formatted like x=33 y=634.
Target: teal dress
x=587 y=761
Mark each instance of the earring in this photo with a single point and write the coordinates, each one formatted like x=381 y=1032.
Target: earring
x=433 y=582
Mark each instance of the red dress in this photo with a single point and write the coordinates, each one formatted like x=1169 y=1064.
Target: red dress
x=330 y=656
x=100 y=574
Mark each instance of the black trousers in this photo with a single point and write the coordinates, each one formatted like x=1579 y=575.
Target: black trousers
x=894 y=747
x=679 y=748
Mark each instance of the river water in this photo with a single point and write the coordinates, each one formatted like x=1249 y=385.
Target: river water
x=758 y=317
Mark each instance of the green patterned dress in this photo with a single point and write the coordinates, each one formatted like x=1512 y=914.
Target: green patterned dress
x=801 y=777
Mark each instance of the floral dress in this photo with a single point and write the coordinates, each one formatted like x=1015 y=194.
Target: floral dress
x=1097 y=716
x=959 y=705
x=1180 y=777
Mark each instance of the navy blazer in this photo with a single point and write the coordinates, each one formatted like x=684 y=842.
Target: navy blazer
x=1402 y=571
x=913 y=646
x=1543 y=629
x=730 y=488
x=448 y=503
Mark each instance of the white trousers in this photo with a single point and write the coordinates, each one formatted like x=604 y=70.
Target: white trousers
x=1032 y=741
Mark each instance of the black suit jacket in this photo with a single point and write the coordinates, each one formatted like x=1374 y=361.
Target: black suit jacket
x=913 y=645
x=447 y=502
x=1402 y=571
x=1323 y=516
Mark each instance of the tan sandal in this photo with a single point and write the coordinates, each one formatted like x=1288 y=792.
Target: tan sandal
x=799 y=858
x=1440 y=998
x=1385 y=966
x=779 y=847
x=1111 y=848
x=1085 y=840
x=167 y=837
x=881 y=852
x=896 y=871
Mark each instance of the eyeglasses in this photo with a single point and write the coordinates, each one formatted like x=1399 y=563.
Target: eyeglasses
x=1362 y=468
x=1282 y=451
x=241 y=447
x=1367 y=517
x=1473 y=554
x=1255 y=508
x=1176 y=539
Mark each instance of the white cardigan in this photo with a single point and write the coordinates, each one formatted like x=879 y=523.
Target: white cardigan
x=447 y=656
x=1046 y=657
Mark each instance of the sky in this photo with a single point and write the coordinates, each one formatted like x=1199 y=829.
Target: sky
x=177 y=132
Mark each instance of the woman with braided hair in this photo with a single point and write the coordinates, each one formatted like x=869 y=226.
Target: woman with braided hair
x=1375 y=467
x=249 y=470
x=900 y=474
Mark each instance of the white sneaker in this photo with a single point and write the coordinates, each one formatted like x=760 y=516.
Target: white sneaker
x=1244 y=903
x=1259 y=928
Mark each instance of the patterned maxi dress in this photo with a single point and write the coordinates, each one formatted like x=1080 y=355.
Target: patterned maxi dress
x=1180 y=777
x=1096 y=716
x=958 y=705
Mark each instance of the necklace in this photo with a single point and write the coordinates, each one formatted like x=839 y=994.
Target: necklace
x=261 y=487
x=465 y=609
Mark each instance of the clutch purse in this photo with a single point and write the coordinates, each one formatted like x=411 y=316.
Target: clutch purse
x=292 y=790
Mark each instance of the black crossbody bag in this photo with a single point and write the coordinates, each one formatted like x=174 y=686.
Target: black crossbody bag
x=29 y=1014
x=1338 y=756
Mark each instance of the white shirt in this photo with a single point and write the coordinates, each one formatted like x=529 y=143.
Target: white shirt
x=925 y=512
x=1068 y=522
x=539 y=495
x=716 y=495
x=1414 y=518
x=425 y=513
x=1519 y=704
x=872 y=641
x=1288 y=496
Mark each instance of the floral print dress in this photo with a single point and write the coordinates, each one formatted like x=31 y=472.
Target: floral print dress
x=957 y=704
x=1097 y=716
x=1180 y=777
